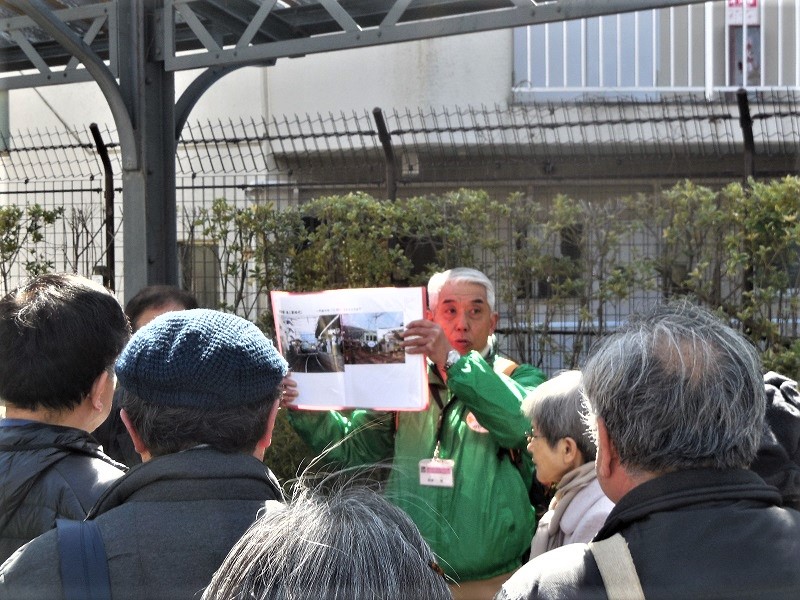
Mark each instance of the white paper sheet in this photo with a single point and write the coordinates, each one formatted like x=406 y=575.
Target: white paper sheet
x=343 y=349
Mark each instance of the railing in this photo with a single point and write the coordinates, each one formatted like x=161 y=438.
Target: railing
x=695 y=48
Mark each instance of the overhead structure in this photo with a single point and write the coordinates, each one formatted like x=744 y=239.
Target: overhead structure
x=132 y=48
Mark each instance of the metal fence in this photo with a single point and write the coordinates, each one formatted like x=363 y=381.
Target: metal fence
x=597 y=151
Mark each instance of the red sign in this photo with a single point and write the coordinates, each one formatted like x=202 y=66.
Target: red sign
x=741 y=11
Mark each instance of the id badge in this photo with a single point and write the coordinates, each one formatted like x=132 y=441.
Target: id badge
x=436 y=472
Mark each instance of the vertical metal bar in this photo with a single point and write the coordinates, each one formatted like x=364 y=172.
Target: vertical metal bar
x=388 y=152
x=746 y=123
x=779 y=25
x=583 y=52
x=108 y=195
x=761 y=41
x=656 y=33
x=600 y=34
x=636 y=42
x=528 y=53
x=797 y=42
x=709 y=50
x=689 y=46
x=619 y=49
x=564 y=81
x=726 y=32
x=547 y=55
x=672 y=47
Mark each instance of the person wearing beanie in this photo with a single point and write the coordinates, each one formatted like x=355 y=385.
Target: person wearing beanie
x=147 y=304
x=200 y=395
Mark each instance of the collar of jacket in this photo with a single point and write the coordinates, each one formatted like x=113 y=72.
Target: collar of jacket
x=680 y=489
x=182 y=475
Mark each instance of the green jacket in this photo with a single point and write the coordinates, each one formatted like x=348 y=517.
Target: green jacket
x=481 y=527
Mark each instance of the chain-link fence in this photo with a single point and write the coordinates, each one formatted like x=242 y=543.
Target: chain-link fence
x=592 y=150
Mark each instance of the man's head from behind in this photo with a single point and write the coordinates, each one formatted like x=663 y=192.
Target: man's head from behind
x=200 y=377
x=58 y=334
x=676 y=389
x=155 y=300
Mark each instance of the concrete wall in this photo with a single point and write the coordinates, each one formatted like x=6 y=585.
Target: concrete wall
x=238 y=95
x=471 y=69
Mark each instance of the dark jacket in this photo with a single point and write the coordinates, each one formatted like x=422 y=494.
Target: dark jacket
x=47 y=472
x=167 y=526
x=114 y=437
x=778 y=459
x=703 y=533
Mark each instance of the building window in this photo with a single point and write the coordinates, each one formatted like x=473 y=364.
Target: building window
x=199 y=272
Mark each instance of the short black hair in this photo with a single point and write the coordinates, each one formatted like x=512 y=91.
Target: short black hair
x=58 y=333
x=155 y=296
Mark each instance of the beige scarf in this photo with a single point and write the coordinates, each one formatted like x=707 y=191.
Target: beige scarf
x=548 y=532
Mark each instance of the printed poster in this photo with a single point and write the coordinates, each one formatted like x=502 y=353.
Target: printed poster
x=343 y=348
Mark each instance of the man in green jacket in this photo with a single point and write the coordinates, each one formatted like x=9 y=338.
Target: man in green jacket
x=459 y=469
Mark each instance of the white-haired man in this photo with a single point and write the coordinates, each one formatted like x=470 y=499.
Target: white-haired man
x=474 y=510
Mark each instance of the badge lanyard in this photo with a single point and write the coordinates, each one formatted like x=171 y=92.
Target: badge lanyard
x=437 y=472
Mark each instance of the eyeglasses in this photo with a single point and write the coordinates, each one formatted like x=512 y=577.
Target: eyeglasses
x=530 y=436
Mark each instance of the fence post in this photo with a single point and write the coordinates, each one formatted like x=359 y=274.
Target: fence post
x=388 y=152
x=108 y=195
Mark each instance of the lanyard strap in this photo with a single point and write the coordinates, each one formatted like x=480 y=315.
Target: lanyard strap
x=443 y=408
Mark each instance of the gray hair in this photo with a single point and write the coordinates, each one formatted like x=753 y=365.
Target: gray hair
x=678 y=389
x=171 y=429
x=459 y=275
x=348 y=544
x=556 y=407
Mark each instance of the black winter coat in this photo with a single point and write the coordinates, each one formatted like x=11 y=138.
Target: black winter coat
x=167 y=525
x=47 y=472
x=703 y=533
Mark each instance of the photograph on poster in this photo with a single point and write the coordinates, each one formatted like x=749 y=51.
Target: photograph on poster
x=344 y=345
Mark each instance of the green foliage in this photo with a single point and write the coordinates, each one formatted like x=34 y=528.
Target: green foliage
x=736 y=250
x=348 y=244
x=254 y=246
x=554 y=260
x=785 y=360
x=21 y=232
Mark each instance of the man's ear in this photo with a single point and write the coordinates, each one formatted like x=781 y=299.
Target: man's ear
x=429 y=314
x=266 y=439
x=495 y=319
x=606 y=452
x=138 y=444
x=99 y=391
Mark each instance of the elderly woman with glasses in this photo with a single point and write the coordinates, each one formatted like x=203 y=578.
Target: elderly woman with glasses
x=564 y=455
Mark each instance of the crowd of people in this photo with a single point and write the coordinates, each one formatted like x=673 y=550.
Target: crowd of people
x=132 y=447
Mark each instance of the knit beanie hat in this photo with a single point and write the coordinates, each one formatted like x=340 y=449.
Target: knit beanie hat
x=200 y=359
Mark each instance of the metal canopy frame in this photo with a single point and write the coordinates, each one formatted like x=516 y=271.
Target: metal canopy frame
x=45 y=42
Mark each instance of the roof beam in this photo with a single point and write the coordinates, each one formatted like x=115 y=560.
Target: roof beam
x=329 y=25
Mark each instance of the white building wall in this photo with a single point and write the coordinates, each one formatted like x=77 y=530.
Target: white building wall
x=463 y=70
x=470 y=69
x=237 y=95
